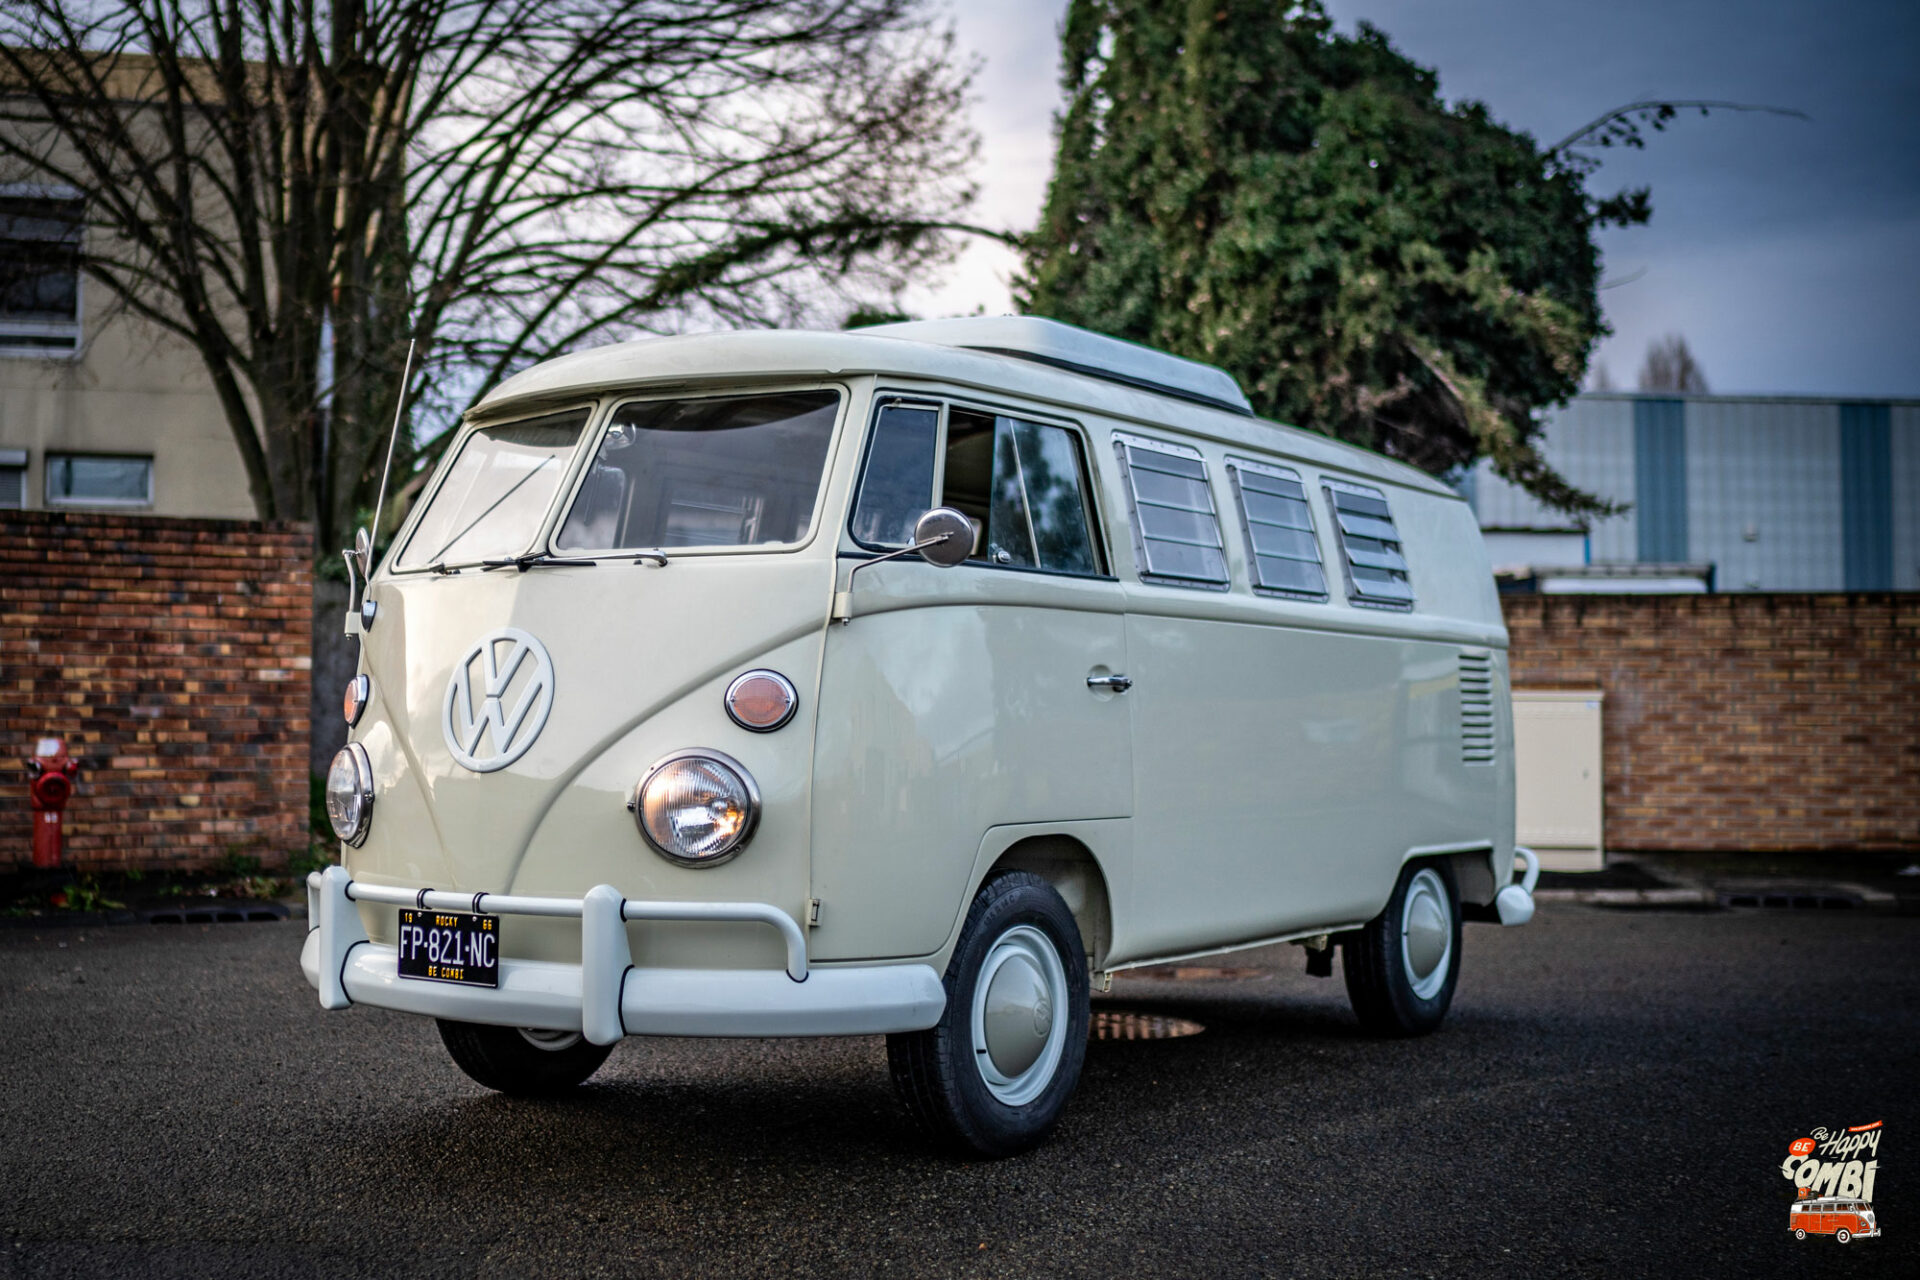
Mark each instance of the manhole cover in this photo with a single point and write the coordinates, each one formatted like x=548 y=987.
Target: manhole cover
x=1198 y=973
x=1139 y=1026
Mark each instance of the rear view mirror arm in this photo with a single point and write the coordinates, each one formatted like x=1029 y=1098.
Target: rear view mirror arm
x=934 y=530
x=843 y=600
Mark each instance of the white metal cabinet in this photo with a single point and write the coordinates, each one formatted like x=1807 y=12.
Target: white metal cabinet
x=1557 y=777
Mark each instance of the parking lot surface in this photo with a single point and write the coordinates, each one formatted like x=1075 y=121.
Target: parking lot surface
x=1612 y=1095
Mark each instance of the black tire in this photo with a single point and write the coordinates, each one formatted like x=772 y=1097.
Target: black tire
x=942 y=1074
x=526 y=1064
x=1799 y=1233
x=1387 y=998
x=1842 y=1235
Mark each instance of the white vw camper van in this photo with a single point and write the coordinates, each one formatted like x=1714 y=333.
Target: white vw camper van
x=901 y=682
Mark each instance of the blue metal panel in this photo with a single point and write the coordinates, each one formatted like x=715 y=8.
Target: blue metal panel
x=1660 y=479
x=1866 y=492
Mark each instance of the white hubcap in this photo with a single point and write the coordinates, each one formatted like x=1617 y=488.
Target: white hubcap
x=1019 y=1016
x=1426 y=934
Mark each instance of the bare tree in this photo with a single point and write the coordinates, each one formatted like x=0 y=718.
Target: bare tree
x=1599 y=378
x=1670 y=366
x=296 y=188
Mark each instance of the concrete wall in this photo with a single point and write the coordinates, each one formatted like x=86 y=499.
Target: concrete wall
x=173 y=656
x=131 y=389
x=1742 y=722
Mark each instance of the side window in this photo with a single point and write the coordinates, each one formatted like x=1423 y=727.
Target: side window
x=81 y=479
x=1175 y=528
x=1023 y=483
x=1376 y=571
x=1279 y=524
x=897 y=486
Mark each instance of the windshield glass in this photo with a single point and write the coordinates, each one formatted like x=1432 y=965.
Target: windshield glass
x=725 y=471
x=496 y=492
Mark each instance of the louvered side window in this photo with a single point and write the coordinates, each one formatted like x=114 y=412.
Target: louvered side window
x=1476 y=707
x=1278 y=521
x=1376 y=571
x=1175 y=529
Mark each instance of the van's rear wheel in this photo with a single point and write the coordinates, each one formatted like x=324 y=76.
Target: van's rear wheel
x=525 y=1062
x=1799 y=1233
x=1403 y=964
x=993 y=1075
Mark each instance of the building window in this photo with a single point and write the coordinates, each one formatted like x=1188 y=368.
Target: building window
x=40 y=242
x=1175 y=529
x=92 y=480
x=13 y=479
x=1376 y=569
x=1279 y=524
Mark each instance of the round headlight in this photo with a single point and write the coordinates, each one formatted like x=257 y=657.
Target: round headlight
x=350 y=793
x=761 y=701
x=359 y=690
x=697 y=807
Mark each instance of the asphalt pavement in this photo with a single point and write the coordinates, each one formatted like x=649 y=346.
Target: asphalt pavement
x=1612 y=1095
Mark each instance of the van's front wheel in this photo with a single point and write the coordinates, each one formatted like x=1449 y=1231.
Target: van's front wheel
x=1403 y=964
x=993 y=1075
x=527 y=1063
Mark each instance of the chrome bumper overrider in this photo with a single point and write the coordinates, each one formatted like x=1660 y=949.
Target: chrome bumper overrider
x=1514 y=904
x=606 y=996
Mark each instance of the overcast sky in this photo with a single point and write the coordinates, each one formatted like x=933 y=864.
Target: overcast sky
x=1786 y=251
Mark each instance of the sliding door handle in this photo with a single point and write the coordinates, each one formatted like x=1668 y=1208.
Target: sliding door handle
x=1115 y=683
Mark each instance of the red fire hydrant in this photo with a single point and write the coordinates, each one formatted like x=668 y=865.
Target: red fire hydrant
x=52 y=775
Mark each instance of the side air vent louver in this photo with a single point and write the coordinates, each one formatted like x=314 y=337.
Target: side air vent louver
x=1476 y=708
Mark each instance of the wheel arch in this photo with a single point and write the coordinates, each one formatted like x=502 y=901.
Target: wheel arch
x=1075 y=874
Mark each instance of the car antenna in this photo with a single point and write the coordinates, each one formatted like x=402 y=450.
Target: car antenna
x=399 y=409
x=362 y=550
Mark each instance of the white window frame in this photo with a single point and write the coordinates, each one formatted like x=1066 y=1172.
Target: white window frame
x=131 y=503
x=11 y=329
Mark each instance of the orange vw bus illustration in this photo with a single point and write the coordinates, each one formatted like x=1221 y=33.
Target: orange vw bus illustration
x=1835 y=1216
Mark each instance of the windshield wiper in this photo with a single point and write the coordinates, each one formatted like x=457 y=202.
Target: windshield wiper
x=530 y=560
x=540 y=559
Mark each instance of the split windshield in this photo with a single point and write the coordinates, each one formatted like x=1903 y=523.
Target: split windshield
x=496 y=492
x=726 y=471
x=719 y=471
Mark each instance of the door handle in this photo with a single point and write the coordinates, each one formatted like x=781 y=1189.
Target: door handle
x=1115 y=683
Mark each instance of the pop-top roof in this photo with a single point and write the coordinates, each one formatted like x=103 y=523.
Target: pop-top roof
x=1083 y=351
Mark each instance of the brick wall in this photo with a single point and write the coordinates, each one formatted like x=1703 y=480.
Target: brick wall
x=1742 y=722
x=173 y=656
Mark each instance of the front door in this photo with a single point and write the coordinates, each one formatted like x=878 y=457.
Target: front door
x=956 y=700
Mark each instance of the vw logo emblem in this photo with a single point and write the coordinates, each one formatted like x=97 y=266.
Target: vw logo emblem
x=483 y=731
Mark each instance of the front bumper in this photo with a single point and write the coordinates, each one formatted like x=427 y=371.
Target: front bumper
x=606 y=996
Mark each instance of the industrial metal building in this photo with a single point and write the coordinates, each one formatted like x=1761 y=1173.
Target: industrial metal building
x=1726 y=493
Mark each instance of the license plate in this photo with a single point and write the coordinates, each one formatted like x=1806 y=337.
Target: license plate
x=450 y=946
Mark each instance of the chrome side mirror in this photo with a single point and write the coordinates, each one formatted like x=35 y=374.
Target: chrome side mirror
x=363 y=550
x=942 y=536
